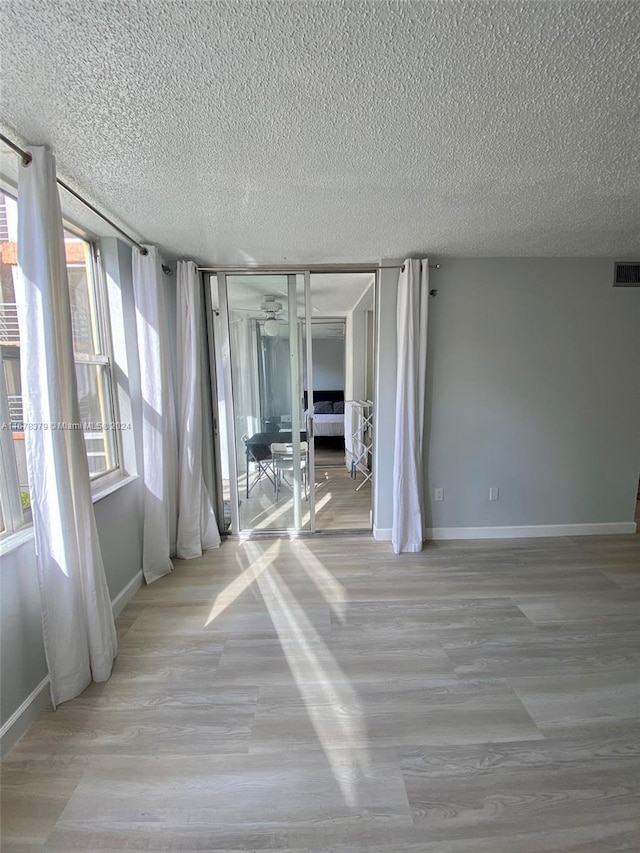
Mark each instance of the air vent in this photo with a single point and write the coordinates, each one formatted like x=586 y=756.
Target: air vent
x=626 y=274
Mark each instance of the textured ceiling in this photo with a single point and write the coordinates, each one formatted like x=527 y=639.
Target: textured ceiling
x=240 y=132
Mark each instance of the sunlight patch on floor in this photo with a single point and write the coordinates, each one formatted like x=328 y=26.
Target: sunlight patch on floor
x=343 y=737
x=230 y=593
x=332 y=590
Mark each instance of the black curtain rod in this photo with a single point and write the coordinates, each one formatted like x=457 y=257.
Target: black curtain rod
x=27 y=158
x=431 y=267
x=433 y=292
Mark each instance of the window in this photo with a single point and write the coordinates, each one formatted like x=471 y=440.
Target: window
x=91 y=346
x=93 y=365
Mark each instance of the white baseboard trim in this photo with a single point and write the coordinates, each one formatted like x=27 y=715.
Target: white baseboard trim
x=22 y=717
x=532 y=531
x=527 y=531
x=125 y=595
x=382 y=534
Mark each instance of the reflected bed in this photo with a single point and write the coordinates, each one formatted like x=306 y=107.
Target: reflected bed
x=328 y=416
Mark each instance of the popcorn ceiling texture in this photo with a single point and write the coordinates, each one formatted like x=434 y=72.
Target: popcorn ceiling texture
x=339 y=131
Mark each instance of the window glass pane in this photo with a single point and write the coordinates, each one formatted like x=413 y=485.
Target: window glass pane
x=10 y=344
x=86 y=338
x=94 y=397
x=9 y=335
x=21 y=460
x=11 y=365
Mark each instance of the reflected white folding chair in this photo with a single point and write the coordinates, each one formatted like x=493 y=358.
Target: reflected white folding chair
x=282 y=459
x=257 y=453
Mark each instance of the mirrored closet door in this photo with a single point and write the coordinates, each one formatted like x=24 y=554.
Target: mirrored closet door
x=294 y=362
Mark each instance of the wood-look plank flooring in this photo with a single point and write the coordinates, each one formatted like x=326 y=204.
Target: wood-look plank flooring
x=325 y=695
x=340 y=504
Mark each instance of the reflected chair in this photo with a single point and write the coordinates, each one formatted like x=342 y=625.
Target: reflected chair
x=283 y=462
x=260 y=454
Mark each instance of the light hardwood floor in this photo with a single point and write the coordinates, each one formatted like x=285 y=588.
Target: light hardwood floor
x=342 y=503
x=325 y=695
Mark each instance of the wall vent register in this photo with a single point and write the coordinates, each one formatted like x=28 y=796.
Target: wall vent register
x=626 y=274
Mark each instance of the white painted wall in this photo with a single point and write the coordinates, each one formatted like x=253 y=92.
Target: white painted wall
x=355 y=356
x=370 y=370
x=533 y=386
x=355 y=372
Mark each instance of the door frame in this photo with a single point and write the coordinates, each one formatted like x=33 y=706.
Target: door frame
x=305 y=270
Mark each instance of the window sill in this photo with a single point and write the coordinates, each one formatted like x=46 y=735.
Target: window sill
x=113 y=486
x=16 y=540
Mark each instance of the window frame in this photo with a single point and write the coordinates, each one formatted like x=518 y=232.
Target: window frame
x=13 y=516
x=103 y=359
x=14 y=521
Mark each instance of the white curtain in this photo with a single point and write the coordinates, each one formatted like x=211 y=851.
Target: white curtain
x=78 y=628
x=159 y=439
x=246 y=393
x=197 y=526
x=408 y=484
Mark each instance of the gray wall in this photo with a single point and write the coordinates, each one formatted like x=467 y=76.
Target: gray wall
x=533 y=386
x=328 y=364
x=22 y=651
x=119 y=523
x=21 y=648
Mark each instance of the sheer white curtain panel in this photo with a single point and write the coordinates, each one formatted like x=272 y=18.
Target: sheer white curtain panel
x=159 y=439
x=197 y=526
x=246 y=394
x=408 y=476
x=77 y=619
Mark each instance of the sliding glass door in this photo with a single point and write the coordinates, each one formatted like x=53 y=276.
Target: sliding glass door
x=266 y=446
x=294 y=362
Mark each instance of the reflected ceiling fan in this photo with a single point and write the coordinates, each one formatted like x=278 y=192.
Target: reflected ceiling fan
x=271 y=307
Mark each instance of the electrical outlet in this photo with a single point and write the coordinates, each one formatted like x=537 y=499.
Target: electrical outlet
x=439 y=494
x=494 y=493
